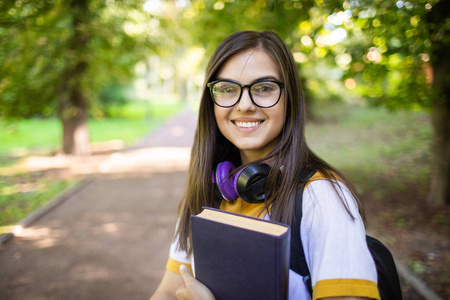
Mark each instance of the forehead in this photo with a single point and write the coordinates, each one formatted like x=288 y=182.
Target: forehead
x=249 y=66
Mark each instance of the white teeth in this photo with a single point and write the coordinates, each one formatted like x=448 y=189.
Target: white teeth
x=247 y=124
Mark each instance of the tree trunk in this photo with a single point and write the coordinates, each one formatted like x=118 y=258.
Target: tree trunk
x=73 y=115
x=440 y=179
x=72 y=101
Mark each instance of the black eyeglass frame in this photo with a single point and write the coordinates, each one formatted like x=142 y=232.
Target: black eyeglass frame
x=211 y=84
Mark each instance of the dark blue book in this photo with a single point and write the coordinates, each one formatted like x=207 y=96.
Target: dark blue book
x=239 y=257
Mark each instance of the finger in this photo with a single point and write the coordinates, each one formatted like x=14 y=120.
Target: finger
x=185 y=274
x=183 y=292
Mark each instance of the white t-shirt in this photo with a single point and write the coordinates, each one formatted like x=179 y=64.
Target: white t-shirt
x=334 y=244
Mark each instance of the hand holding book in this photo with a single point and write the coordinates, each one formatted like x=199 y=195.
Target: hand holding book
x=192 y=288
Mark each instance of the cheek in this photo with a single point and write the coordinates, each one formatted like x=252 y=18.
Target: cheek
x=221 y=116
x=280 y=124
x=281 y=115
x=216 y=110
x=216 y=115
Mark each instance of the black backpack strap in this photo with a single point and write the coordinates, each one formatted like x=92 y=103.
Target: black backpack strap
x=298 y=261
x=388 y=280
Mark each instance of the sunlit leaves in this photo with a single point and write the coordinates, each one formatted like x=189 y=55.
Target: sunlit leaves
x=380 y=48
x=305 y=28
x=387 y=41
x=35 y=43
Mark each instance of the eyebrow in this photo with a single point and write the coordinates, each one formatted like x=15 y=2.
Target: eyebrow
x=270 y=77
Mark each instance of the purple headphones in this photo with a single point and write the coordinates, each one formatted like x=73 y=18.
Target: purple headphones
x=248 y=183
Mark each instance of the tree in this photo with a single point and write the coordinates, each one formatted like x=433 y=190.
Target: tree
x=57 y=56
x=439 y=18
x=398 y=57
x=72 y=100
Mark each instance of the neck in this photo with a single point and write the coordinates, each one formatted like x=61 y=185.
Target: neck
x=247 y=157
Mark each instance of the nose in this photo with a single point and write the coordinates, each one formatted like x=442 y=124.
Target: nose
x=246 y=103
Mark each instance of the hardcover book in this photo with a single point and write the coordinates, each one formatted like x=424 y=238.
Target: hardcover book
x=240 y=257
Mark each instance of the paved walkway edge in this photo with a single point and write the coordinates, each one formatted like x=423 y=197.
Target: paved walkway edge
x=41 y=211
x=416 y=283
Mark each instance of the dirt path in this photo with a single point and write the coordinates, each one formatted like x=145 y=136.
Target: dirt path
x=110 y=240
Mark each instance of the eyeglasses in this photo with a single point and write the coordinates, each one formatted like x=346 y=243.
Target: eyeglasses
x=264 y=93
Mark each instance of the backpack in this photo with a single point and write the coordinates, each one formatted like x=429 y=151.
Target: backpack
x=388 y=280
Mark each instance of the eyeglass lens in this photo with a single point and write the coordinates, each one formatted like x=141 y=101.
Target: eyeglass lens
x=264 y=94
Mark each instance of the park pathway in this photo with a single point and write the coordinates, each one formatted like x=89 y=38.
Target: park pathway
x=110 y=239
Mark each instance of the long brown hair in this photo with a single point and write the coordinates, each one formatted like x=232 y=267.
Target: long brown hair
x=211 y=147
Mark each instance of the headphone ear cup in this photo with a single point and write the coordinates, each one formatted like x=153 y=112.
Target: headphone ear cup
x=250 y=183
x=225 y=182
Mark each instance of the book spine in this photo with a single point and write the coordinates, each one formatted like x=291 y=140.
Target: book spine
x=282 y=275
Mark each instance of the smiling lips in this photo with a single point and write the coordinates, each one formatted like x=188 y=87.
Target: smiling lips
x=247 y=124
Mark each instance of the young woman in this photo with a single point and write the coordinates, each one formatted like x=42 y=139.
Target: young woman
x=252 y=112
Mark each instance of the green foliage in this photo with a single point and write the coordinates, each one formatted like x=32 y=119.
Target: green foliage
x=389 y=49
x=113 y=95
x=226 y=17
x=383 y=50
x=393 y=72
x=37 y=42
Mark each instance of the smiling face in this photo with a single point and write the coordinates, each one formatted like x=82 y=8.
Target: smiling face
x=253 y=130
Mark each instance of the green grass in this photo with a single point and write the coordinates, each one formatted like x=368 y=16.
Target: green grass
x=22 y=137
x=127 y=123
x=22 y=194
x=373 y=142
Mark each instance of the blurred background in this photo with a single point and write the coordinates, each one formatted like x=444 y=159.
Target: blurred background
x=81 y=80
